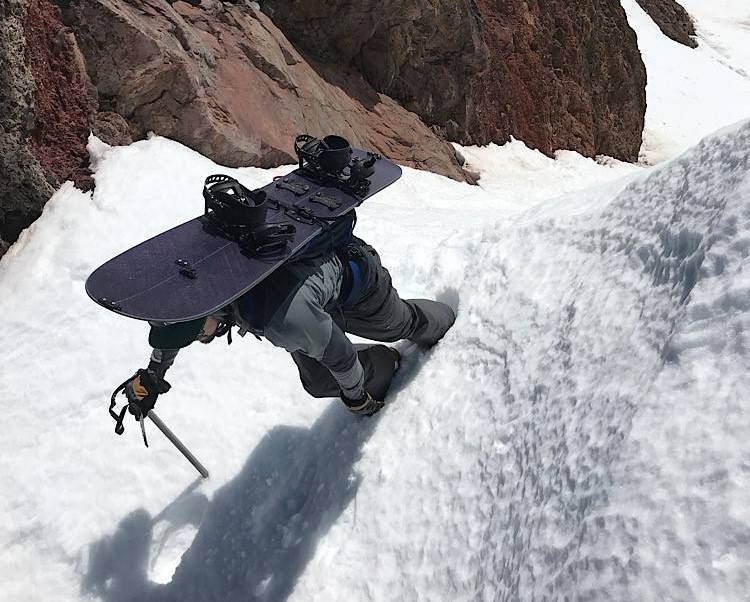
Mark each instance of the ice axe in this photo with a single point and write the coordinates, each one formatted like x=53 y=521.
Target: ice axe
x=141 y=417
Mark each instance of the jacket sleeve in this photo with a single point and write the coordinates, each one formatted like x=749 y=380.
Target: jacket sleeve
x=303 y=325
x=161 y=360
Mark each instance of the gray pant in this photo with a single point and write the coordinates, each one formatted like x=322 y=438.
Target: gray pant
x=380 y=315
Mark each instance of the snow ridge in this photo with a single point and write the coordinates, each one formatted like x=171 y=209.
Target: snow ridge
x=561 y=381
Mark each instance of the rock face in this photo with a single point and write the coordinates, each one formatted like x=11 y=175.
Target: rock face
x=63 y=104
x=673 y=20
x=217 y=76
x=397 y=76
x=557 y=74
x=222 y=79
x=45 y=113
x=23 y=186
x=563 y=74
x=424 y=53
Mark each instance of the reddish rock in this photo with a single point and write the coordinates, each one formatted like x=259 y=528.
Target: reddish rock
x=563 y=75
x=673 y=20
x=556 y=74
x=222 y=79
x=63 y=107
x=24 y=187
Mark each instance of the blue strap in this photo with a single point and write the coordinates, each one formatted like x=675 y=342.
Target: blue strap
x=358 y=281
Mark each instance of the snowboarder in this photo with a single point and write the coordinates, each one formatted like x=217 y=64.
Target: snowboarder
x=306 y=307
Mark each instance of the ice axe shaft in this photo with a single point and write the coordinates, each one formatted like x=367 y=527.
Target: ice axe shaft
x=178 y=444
x=135 y=410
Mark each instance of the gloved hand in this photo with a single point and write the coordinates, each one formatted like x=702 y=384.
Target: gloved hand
x=142 y=391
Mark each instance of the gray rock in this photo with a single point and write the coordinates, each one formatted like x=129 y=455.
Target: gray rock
x=112 y=128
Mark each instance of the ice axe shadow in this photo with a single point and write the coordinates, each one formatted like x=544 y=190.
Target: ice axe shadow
x=260 y=529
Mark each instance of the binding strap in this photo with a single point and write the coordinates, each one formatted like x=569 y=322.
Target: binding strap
x=232 y=203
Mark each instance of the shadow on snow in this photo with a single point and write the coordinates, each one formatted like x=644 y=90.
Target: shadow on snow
x=260 y=529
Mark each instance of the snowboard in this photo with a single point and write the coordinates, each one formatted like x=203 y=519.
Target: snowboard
x=193 y=270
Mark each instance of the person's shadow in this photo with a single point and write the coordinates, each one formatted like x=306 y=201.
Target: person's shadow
x=260 y=529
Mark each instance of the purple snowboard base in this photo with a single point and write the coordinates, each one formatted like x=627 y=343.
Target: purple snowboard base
x=188 y=271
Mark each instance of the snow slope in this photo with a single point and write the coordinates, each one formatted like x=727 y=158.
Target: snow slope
x=724 y=27
x=580 y=434
x=60 y=452
x=690 y=92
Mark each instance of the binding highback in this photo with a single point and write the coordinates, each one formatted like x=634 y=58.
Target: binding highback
x=239 y=214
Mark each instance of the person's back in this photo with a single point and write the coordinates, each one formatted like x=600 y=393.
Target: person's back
x=306 y=307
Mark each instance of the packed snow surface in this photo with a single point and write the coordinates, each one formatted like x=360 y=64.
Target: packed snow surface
x=580 y=434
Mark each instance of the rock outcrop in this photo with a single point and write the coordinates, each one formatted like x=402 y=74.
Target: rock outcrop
x=397 y=76
x=673 y=20
x=563 y=75
x=425 y=53
x=47 y=109
x=24 y=188
x=222 y=79
x=556 y=74
x=64 y=106
x=217 y=76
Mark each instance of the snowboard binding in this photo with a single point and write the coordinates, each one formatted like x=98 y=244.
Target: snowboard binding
x=327 y=156
x=239 y=214
x=330 y=161
x=229 y=201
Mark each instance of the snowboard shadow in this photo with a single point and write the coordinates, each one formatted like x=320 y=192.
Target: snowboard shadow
x=259 y=531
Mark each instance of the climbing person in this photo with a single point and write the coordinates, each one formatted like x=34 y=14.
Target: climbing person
x=306 y=307
x=280 y=262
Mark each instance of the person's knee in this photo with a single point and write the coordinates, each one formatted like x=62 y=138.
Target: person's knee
x=434 y=319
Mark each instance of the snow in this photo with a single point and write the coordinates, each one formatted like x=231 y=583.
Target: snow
x=581 y=433
x=724 y=27
x=519 y=177
x=690 y=92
